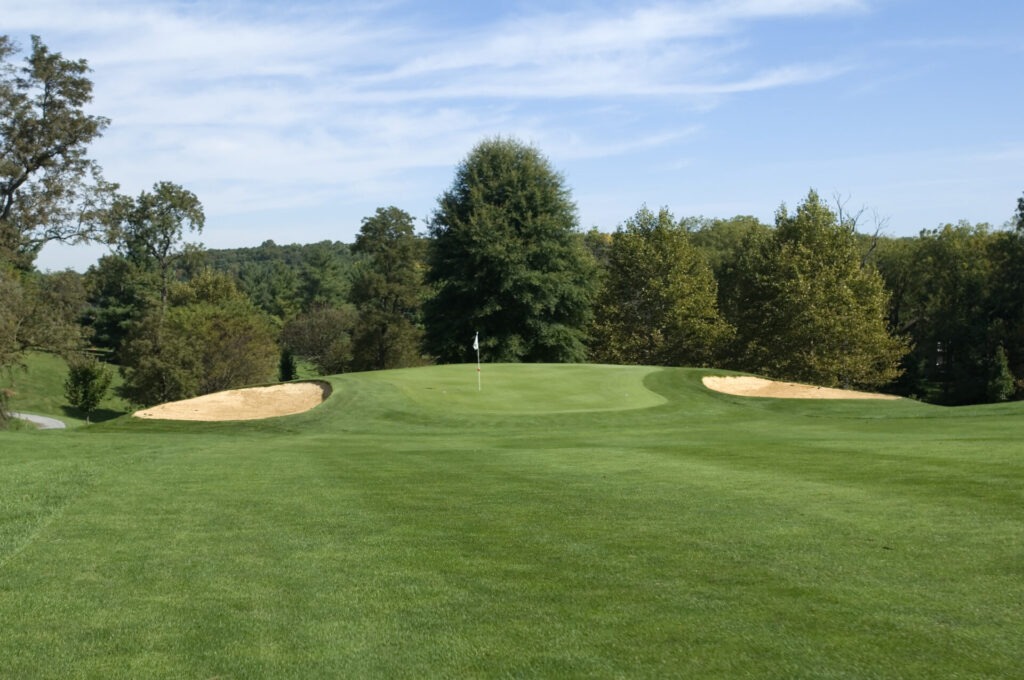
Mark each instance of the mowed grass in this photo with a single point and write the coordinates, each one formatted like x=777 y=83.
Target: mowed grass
x=567 y=521
x=38 y=387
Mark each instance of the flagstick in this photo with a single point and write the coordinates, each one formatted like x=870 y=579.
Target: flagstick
x=476 y=346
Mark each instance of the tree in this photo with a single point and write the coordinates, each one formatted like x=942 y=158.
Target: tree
x=805 y=306
x=149 y=230
x=86 y=384
x=1001 y=383
x=322 y=279
x=272 y=285
x=387 y=291
x=962 y=311
x=286 y=367
x=210 y=338
x=49 y=189
x=38 y=312
x=659 y=303
x=323 y=336
x=720 y=240
x=902 y=267
x=120 y=294
x=5 y=415
x=506 y=261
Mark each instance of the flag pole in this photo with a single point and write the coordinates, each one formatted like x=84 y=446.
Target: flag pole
x=476 y=346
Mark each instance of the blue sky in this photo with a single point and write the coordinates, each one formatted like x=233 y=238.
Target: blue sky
x=293 y=121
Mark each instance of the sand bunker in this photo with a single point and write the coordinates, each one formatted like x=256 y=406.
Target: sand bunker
x=746 y=386
x=249 y=404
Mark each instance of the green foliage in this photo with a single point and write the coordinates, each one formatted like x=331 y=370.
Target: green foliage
x=287 y=369
x=506 y=261
x=387 y=291
x=284 y=280
x=272 y=286
x=120 y=293
x=323 y=336
x=659 y=302
x=149 y=231
x=598 y=243
x=1007 y=293
x=805 y=307
x=1001 y=383
x=36 y=385
x=947 y=282
x=5 y=414
x=39 y=312
x=87 y=383
x=721 y=240
x=147 y=234
x=322 y=280
x=210 y=339
x=49 y=189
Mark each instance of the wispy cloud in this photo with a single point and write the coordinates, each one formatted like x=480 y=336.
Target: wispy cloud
x=266 y=106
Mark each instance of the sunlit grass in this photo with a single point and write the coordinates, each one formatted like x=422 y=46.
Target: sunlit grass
x=545 y=527
x=37 y=386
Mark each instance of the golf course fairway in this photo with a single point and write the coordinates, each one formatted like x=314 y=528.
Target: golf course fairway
x=561 y=521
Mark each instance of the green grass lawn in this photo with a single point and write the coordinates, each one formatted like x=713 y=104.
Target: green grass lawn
x=38 y=387
x=567 y=521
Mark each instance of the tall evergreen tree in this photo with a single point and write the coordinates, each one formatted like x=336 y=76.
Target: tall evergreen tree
x=506 y=261
x=387 y=290
x=323 y=281
x=807 y=309
x=659 y=302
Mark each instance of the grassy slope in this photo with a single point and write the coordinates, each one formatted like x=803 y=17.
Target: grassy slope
x=412 y=527
x=39 y=388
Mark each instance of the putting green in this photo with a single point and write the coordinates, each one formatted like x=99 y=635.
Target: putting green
x=526 y=388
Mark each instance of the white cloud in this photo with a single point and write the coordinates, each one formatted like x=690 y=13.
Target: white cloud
x=271 y=107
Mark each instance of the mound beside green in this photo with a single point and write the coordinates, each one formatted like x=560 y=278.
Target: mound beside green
x=544 y=527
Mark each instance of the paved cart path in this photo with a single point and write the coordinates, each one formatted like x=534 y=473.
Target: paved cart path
x=44 y=422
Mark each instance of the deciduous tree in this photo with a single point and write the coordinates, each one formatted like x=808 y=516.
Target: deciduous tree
x=209 y=338
x=659 y=303
x=37 y=312
x=50 y=190
x=807 y=309
x=86 y=384
x=149 y=231
x=506 y=261
x=323 y=336
x=965 y=308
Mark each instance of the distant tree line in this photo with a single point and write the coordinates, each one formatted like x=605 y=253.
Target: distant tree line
x=939 y=316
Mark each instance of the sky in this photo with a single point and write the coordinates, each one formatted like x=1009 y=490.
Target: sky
x=294 y=121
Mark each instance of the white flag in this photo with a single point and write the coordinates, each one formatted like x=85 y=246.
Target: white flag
x=476 y=341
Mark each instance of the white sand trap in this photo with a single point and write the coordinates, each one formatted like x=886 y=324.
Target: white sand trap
x=252 y=403
x=747 y=386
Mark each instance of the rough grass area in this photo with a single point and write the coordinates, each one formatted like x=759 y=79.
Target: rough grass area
x=545 y=527
x=38 y=387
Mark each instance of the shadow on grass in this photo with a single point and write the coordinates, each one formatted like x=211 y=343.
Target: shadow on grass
x=100 y=415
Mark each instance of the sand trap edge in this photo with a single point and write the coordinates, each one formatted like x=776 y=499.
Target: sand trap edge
x=250 y=403
x=750 y=386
